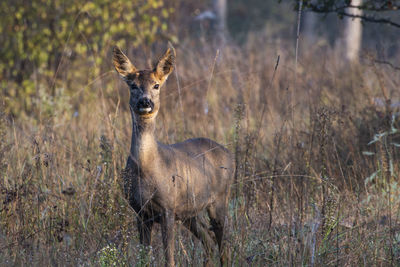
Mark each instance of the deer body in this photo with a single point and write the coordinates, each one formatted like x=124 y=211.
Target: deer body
x=164 y=183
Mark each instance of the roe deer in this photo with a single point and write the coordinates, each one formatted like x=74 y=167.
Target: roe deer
x=164 y=183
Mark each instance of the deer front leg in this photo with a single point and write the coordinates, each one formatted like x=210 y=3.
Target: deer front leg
x=145 y=225
x=167 y=232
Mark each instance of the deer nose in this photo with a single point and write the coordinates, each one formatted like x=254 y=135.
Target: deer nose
x=145 y=104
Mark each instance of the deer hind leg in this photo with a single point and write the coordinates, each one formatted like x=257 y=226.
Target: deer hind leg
x=168 y=237
x=219 y=222
x=200 y=230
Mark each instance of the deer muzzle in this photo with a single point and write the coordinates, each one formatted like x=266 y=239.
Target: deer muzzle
x=145 y=106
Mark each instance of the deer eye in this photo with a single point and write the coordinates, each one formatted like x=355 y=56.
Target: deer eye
x=156 y=86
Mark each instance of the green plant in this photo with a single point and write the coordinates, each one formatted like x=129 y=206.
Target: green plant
x=110 y=256
x=42 y=39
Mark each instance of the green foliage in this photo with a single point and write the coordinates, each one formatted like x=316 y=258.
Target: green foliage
x=110 y=256
x=143 y=257
x=38 y=36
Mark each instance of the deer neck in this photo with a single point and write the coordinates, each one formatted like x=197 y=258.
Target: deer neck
x=143 y=143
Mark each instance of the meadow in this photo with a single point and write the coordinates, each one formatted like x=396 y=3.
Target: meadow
x=315 y=139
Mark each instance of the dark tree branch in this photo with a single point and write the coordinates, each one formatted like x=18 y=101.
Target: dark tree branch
x=371 y=19
x=374 y=8
x=368 y=18
x=387 y=63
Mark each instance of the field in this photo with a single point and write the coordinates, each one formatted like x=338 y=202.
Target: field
x=315 y=142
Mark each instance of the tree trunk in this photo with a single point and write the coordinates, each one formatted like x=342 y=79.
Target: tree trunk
x=310 y=19
x=353 y=33
x=219 y=7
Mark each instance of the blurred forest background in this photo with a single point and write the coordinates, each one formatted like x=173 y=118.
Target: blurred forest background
x=305 y=93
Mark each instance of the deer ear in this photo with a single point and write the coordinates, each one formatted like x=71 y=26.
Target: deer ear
x=166 y=64
x=122 y=64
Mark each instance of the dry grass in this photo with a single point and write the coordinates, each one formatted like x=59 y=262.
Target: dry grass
x=305 y=193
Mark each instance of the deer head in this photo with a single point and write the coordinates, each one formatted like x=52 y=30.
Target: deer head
x=144 y=85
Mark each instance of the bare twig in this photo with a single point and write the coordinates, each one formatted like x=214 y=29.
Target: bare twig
x=387 y=63
x=368 y=18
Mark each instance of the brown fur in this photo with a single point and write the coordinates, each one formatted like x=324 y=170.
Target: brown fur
x=164 y=183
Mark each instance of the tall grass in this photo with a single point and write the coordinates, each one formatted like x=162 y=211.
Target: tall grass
x=310 y=188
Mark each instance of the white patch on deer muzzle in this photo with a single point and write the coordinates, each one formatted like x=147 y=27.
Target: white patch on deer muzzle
x=145 y=109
